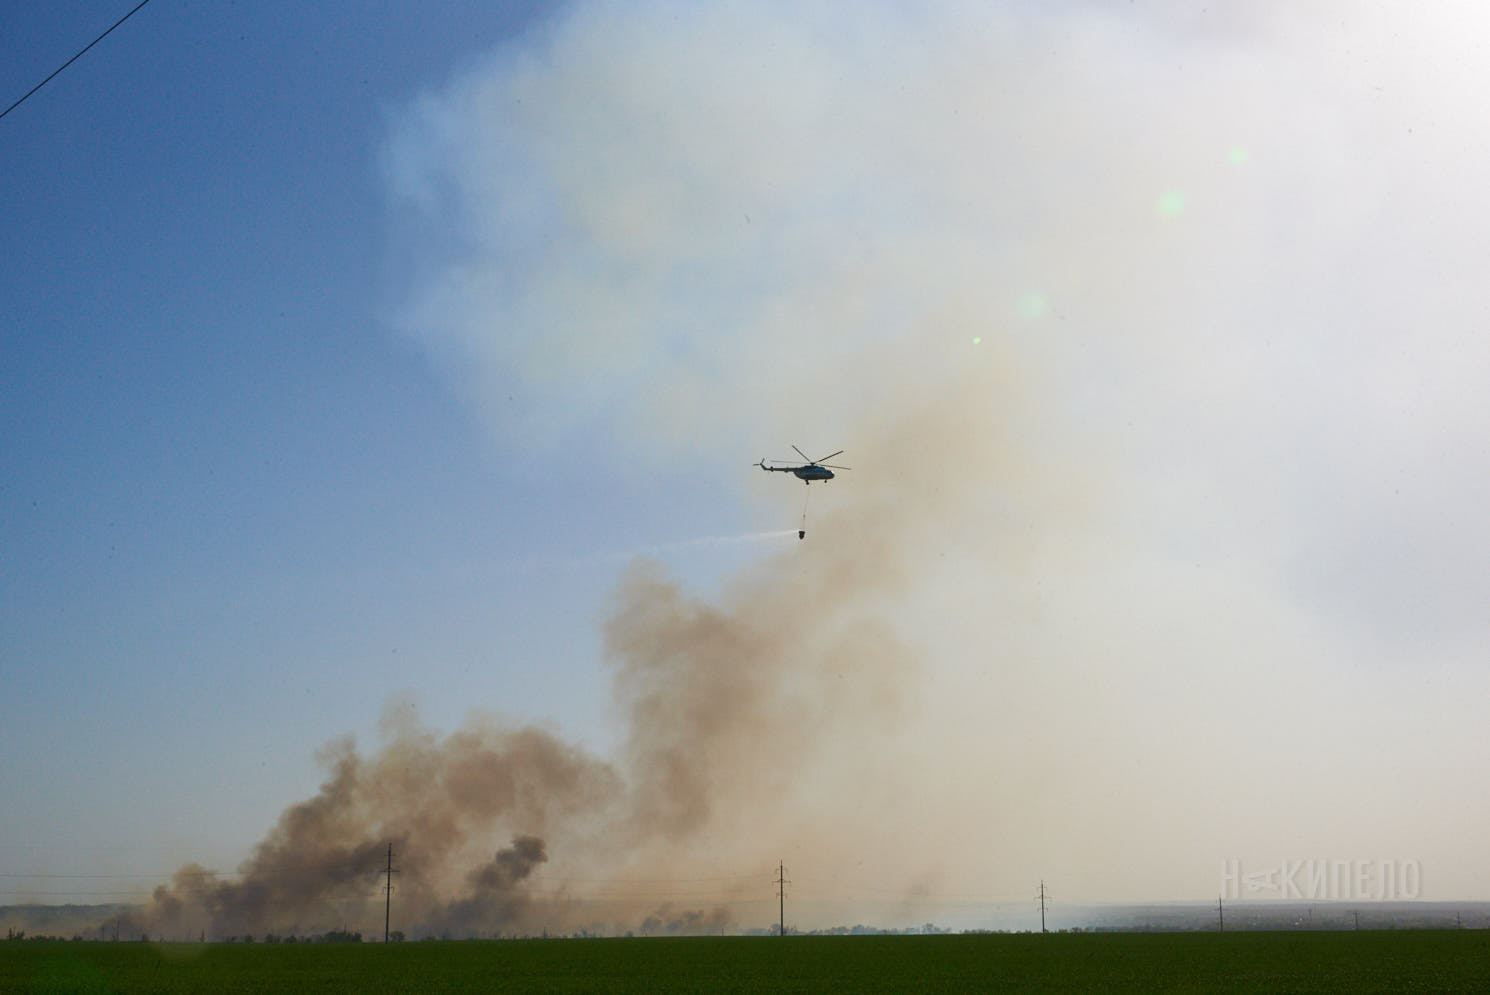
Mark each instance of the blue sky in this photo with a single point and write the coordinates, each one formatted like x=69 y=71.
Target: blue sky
x=233 y=492
x=351 y=353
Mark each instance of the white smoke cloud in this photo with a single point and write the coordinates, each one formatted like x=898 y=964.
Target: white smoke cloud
x=1153 y=334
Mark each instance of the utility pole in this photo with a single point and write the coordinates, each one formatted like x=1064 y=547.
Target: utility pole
x=1357 y=921
x=1220 y=916
x=781 y=883
x=388 y=893
x=1042 y=906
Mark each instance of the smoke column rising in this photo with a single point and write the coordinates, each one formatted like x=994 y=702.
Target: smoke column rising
x=1151 y=333
x=1115 y=305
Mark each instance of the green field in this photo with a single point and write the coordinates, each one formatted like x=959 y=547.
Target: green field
x=1395 y=960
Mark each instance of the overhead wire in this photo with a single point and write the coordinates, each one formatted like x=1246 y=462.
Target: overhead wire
x=75 y=58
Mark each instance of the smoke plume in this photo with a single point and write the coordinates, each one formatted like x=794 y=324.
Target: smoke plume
x=1106 y=309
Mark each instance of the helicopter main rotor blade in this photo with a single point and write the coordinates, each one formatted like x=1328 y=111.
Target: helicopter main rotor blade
x=829 y=456
x=802 y=454
x=835 y=466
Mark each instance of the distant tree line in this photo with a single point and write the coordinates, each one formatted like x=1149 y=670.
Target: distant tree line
x=334 y=936
x=20 y=934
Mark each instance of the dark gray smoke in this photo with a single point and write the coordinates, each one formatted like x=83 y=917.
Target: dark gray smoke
x=436 y=802
x=498 y=897
x=664 y=922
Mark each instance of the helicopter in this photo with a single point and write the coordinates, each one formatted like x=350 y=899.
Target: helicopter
x=813 y=469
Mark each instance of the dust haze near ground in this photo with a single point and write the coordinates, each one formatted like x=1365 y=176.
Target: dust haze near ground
x=1153 y=337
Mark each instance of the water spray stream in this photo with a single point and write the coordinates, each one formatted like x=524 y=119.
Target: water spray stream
x=702 y=542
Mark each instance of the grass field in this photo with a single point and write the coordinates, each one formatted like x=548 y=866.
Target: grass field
x=1396 y=960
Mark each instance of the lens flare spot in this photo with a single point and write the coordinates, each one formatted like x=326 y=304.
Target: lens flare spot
x=1171 y=204
x=1033 y=305
x=1236 y=155
x=977 y=339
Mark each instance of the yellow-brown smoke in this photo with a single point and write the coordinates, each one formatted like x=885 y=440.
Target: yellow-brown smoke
x=1069 y=289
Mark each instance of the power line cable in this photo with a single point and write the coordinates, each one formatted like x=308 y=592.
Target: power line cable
x=75 y=58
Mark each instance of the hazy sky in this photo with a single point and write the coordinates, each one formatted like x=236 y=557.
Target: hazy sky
x=352 y=355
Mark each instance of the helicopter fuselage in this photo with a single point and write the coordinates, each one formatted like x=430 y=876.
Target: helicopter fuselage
x=805 y=472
